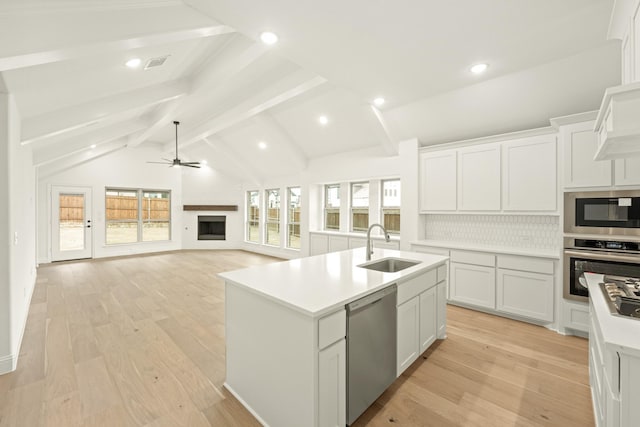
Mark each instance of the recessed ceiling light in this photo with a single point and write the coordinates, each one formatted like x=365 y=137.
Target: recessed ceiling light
x=378 y=101
x=323 y=120
x=269 y=38
x=262 y=145
x=479 y=68
x=93 y=146
x=133 y=63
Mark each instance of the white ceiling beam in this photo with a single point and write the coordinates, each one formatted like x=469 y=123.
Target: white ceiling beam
x=287 y=88
x=217 y=71
x=297 y=155
x=54 y=152
x=68 y=119
x=219 y=146
x=56 y=46
x=386 y=139
x=79 y=158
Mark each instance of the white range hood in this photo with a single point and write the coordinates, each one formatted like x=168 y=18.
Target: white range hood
x=618 y=123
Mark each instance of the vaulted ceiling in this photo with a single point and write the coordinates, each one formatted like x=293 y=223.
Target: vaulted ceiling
x=64 y=61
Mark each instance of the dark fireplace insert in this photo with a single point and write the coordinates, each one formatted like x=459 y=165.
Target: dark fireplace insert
x=212 y=227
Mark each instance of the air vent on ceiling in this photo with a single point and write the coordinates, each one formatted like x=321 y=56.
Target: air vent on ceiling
x=156 y=62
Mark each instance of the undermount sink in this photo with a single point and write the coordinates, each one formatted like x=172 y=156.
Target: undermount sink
x=389 y=265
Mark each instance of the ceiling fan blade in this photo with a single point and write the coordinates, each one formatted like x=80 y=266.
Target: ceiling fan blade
x=162 y=163
x=190 y=165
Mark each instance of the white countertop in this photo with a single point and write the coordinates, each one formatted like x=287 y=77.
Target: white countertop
x=509 y=250
x=319 y=284
x=616 y=330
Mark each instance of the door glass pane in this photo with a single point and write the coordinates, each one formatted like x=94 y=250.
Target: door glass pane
x=71 y=216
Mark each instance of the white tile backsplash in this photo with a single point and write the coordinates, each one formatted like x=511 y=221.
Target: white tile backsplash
x=522 y=231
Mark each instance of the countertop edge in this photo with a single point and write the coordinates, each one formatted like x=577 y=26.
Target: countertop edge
x=493 y=249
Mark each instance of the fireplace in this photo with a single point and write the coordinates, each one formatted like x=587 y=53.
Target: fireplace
x=212 y=227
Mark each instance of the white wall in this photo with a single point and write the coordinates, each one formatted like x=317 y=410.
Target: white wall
x=125 y=168
x=17 y=231
x=207 y=186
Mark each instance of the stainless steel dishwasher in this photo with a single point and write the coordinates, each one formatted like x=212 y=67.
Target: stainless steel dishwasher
x=371 y=349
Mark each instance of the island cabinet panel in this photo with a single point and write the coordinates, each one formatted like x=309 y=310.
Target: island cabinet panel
x=529 y=171
x=332 y=367
x=421 y=315
x=479 y=178
x=408 y=333
x=428 y=318
x=438 y=177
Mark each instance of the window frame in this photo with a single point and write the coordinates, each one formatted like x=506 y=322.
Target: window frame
x=326 y=209
x=140 y=221
x=383 y=207
x=249 y=219
x=352 y=208
x=267 y=222
x=291 y=222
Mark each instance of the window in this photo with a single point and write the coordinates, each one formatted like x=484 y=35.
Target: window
x=332 y=207
x=391 y=205
x=136 y=215
x=359 y=206
x=293 y=218
x=272 y=223
x=253 y=216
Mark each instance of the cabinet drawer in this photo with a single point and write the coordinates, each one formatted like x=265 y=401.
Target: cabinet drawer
x=521 y=263
x=416 y=285
x=332 y=328
x=442 y=273
x=475 y=258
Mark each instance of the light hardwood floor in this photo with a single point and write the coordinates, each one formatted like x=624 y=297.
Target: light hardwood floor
x=139 y=341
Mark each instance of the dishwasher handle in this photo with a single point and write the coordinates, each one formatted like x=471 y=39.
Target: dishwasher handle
x=371 y=299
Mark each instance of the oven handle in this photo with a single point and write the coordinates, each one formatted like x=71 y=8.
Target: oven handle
x=604 y=256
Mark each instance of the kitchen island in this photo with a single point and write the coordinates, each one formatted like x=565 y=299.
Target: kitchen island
x=286 y=328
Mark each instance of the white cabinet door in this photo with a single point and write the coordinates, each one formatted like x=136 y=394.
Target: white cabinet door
x=629 y=390
x=438 y=181
x=525 y=294
x=332 y=387
x=428 y=318
x=441 y=310
x=318 y=244
x=529 y=174
x=408 y=333
x=580 y=170
x=473 y=284
x=627 y=171
x=479 y=178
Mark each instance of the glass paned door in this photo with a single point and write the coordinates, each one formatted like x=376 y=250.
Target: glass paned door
x=71 y=230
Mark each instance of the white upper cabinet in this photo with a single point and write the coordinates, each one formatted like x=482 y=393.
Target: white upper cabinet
x=529 y=174
x=438 y=181
x=479 y=178
x=580 y=170
x=627 y=171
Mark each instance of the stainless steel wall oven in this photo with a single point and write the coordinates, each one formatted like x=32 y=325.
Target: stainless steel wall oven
x=608 y=257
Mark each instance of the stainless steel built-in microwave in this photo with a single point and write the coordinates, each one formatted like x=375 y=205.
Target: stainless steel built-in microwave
x=603 y=212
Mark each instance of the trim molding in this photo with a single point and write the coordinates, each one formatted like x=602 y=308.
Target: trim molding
x=8 y=364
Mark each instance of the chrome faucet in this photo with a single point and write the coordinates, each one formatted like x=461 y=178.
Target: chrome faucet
x=369 y=248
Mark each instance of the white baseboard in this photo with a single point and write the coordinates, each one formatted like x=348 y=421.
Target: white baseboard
x=8 y=364
x=248 y=408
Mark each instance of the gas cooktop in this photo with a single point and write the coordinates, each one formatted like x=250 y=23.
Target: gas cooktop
x=622 y=295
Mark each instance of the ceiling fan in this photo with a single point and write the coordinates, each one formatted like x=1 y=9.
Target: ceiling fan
x=177 y=162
